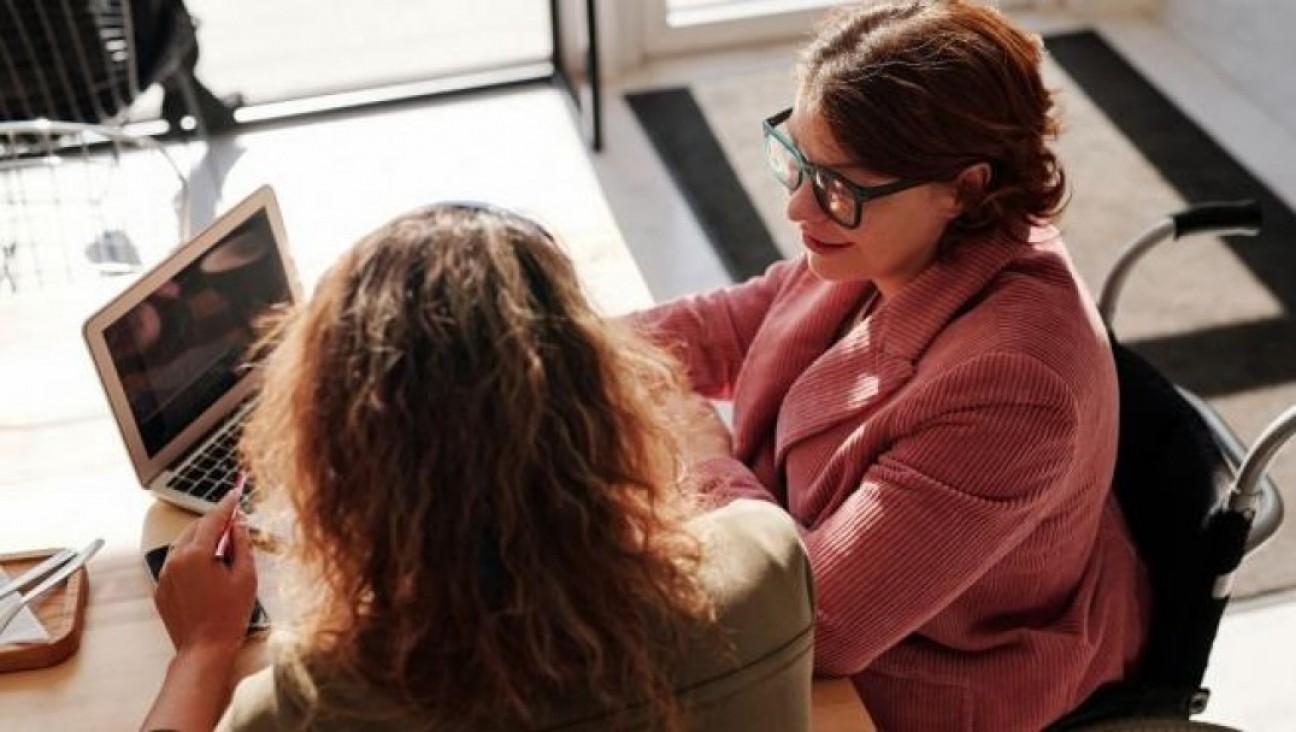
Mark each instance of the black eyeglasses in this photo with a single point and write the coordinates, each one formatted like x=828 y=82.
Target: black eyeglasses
x=841 y=199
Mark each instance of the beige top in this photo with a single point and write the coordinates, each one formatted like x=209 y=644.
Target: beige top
x=756 y=570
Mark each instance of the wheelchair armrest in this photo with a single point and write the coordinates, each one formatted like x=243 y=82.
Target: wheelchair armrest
x=1254 y=483
x=1252 y=477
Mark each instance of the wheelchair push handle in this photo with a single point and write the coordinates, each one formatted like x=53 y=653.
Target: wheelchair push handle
x=1219 y=218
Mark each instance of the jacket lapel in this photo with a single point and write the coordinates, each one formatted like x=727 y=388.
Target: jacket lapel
x=843 y=382
x=856 y=374
x=797 y=331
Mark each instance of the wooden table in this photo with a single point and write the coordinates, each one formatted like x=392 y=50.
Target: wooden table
x=65 y=479
x=835 y=707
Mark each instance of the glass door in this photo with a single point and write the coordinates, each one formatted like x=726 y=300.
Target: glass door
x=682 y=26
x=291 y=49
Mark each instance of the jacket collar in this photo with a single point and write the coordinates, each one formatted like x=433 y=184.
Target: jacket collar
x=907 y=324
x=878 y=355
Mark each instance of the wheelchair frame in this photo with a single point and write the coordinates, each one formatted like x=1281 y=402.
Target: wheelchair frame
x=1242 y=511
x=1252 y=495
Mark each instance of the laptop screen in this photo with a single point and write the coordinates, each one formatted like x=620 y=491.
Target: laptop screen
x=184 y=345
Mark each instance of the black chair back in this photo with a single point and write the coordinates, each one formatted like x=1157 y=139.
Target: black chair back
x=1172 y=482
x=87 y=60
x=64 y=60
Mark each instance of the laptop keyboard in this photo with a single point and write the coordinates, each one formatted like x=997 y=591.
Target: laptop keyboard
x=209 y=473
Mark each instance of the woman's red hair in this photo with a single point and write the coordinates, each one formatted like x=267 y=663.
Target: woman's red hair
x=925 y=88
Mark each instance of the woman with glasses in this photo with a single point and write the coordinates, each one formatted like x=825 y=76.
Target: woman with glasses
x=928 y=389
x=486 y=520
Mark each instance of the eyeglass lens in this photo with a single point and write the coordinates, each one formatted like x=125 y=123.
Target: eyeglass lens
x=783 y=162
x=830 y=191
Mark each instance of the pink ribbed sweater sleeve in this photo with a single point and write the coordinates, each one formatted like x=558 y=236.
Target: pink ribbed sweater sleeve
x=710 y=333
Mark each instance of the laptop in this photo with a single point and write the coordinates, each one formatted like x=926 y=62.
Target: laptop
x=171 y=351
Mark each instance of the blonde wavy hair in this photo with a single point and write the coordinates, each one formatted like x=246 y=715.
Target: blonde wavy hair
x=485 y=500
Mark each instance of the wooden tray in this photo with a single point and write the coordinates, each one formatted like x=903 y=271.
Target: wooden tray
x=62 y=612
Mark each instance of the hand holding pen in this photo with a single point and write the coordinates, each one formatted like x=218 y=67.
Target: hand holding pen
x=205 y=603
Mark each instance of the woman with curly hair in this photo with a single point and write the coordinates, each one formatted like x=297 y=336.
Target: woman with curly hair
x=928 y=390
x=487 y=519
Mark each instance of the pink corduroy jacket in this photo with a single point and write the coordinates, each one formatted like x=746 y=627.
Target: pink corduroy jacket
x=948 y=461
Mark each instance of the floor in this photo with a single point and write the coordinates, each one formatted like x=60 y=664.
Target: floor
x=340 y=177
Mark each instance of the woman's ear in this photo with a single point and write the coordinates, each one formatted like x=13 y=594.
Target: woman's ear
x=970 y=186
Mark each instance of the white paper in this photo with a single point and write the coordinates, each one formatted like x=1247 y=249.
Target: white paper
x=24 y=628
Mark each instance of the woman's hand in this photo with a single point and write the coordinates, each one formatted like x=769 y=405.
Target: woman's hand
x=703 y=434
x=205 y=603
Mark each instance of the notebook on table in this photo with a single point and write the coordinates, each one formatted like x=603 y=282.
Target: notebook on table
x=171 y=351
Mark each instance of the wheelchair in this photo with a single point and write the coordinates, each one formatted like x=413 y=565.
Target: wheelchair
x=1196 y=503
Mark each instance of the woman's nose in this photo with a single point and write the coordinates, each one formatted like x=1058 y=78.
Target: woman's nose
x=801 y=204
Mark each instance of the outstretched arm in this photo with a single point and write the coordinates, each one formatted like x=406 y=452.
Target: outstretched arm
x=205 y=604
x=711 y=333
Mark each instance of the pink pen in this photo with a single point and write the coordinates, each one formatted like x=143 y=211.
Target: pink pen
x=222 y=546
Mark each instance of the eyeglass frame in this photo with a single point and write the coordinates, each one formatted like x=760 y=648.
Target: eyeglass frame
x=806 y=169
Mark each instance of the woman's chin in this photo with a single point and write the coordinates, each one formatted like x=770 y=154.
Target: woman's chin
x=832 y=268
